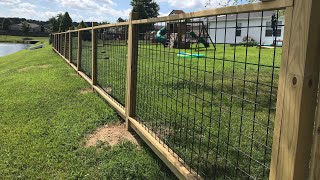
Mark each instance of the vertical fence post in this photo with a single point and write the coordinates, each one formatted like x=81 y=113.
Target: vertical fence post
x=79 y=51
x=131 y=83
x=297 y=94
x=70 y=46
x=94 y=55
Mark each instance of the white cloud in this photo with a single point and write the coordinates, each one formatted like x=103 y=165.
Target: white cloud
x=193 y=4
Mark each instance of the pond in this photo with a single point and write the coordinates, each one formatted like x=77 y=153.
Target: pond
x=10 y=48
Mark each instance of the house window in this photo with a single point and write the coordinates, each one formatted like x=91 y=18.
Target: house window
x=269 y=29
x=238 y=29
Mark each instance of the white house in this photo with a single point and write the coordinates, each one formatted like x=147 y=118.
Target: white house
x=232 y=29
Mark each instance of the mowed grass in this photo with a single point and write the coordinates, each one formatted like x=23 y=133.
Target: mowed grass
x=44 y=120
x=217 y=113
x=19 y=39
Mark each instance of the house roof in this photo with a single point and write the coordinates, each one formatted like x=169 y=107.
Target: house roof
x=176 y=12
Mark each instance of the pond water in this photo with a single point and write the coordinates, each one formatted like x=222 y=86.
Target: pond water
x=10 y=48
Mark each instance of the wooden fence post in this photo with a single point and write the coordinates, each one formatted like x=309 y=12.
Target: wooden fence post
x=297 y=94
x=70 y=46
x=79 y=51
x=131 y=83
x=94 y=55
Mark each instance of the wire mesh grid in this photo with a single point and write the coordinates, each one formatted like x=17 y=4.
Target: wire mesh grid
x=112 y=48
x=86 y=52
x=207 y=88
x=67 y=46
x=62 y=45
x=74 y=48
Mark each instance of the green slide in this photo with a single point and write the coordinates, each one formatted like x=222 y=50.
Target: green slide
x=160 y=36
x=200 y=39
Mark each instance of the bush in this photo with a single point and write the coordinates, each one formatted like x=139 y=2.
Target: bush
x=249 y=41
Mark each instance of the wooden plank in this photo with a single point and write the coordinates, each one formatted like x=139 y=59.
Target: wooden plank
x=163 y=152
x=315 y=165
x=131 y=82
x=79 y=51
x=281 y=89
x=299 y=95
x=94 y=55
x=254 y=7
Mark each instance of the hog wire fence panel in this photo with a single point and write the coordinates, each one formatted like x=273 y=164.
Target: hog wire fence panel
x=207 y=88
x=62 y=44
x=86 y=52
x=67 y=46
x=112 y=49
x=74 y=50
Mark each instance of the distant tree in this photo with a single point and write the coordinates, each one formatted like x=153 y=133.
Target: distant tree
x=65 y=23
x=42 y=29
x=54 y=24
x=146 y=9
x=26 y=27
x=82 y=25
x=6 y=23
x=121 y=20
x=103 y=22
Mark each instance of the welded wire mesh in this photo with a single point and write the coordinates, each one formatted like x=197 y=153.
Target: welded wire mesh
x=207 y=88
x=62 y=45
x=74 y=48
x=112 y=49
x=67 y=46
x=86 y=52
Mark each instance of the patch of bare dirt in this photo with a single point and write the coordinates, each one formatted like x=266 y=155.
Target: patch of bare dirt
x=45 y=66
x=110 y=134
x=86 y=91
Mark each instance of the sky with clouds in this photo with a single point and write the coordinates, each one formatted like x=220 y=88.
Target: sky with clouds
x=92 y=10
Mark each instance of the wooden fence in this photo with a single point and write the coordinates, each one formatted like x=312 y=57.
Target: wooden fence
x=212 y=137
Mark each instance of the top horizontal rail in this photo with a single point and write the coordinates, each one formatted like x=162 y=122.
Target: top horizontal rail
x=254 y=7
x=261 y=6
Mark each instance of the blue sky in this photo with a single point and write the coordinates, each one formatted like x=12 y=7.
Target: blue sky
x=92 y=10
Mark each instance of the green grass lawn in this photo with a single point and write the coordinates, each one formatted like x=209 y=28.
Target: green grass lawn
x=216 y=112
x=44 y=120
x=19 y=39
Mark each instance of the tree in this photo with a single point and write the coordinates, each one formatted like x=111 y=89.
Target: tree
x=146 y=9
x=26 y=27
x=6 y=23
x=65 y=23
x=82 y=25
x=54 y=24
x=121 y=20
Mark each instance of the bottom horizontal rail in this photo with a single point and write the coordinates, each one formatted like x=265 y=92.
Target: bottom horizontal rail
x=158 y=147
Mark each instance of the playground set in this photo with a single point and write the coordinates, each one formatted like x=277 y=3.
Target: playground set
x=181 y=35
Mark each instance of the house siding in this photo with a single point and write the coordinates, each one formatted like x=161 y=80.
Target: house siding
x=226 y=31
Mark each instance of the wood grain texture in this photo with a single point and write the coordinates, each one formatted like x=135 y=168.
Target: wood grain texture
x=296 y=115
x=131 y=82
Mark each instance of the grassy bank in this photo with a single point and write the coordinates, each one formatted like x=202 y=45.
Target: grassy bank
x=19 y=39
x=44 y=119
